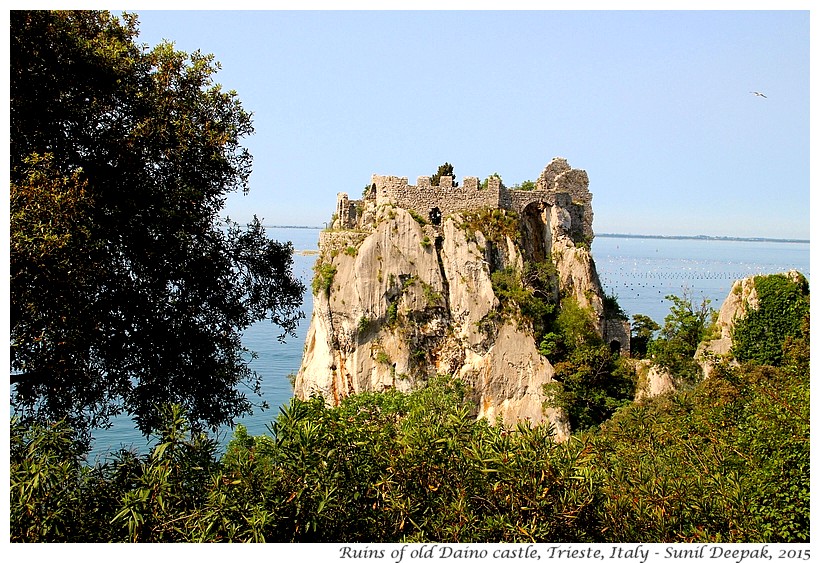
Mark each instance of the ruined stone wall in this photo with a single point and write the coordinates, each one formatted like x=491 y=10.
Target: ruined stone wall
x=347 y=211
x=558 y=185
x=423 y=197
x=618 y=330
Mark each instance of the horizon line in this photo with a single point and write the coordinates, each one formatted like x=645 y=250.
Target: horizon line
x=625 y=235
x=704 y=237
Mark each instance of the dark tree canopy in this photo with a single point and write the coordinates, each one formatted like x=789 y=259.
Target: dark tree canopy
x=445 y=169
x=128 y=291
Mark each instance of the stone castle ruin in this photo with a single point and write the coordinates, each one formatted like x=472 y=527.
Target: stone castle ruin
x=404 y=290
x=559 y=186
x=560 y=203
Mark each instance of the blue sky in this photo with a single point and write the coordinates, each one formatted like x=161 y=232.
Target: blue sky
x=654 y=105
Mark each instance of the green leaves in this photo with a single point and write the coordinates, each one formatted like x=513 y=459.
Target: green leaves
x=684 y=328
x=127 y=290
x=445 y=169
x=782 y=305
x=720 y=462
x=726 y=460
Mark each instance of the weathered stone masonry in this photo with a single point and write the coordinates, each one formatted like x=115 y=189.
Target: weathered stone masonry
x=559 y=186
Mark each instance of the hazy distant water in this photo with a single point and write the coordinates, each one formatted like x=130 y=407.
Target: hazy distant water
x=639 y=272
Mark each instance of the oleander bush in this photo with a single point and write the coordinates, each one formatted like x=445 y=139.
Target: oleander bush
x=724 y=461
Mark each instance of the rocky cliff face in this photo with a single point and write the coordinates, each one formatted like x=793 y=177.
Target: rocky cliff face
x=741 y=299
x=398 y=299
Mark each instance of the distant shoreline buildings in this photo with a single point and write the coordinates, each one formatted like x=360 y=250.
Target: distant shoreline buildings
x=623 y=235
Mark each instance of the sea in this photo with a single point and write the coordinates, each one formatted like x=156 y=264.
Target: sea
x=639 y=271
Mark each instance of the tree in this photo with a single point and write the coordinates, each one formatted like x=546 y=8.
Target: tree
x=590 y=381
x=643 y=329
x=684 y=328
x=445 y=169
x=128 y=291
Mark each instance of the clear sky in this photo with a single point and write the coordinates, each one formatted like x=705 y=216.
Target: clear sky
x=654 y=105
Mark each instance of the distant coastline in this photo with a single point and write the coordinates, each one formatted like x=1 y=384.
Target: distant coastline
x=290 y=227
x=703 y=237
x=622 y=235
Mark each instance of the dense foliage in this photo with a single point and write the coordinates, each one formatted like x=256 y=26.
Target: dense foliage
x=128 y=293
x=591 y=381
x=722 y=460
x=783 y=303
x=643 y=330
x=127 y=289
x=726 y=460
x=686 y=326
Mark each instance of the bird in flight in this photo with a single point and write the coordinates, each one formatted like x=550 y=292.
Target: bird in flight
x=758 y=94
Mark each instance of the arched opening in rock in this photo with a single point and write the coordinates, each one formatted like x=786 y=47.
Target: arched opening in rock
x=435 y=216
x=537 y=234
x=615 y=347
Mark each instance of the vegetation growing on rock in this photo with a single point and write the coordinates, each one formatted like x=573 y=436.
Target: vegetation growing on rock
x=723 y=459
x=783 y=303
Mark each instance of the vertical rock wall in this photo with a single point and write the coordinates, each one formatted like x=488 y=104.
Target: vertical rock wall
x=409 y=299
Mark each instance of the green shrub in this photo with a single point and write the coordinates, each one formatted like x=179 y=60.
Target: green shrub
x=782 y=306
x=495 y=224
x=686 y=326
x=364 y=324
x=323 y=273
x=432 y=296
x=526 y=185
x=612 y=309
x=392 y=313
x=45 y=478
x=724 y=461
x=527 y=297
x=418 y=218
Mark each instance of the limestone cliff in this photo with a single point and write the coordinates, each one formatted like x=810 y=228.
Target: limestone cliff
x=653 y=380
x=741 y=299
x=404 y=289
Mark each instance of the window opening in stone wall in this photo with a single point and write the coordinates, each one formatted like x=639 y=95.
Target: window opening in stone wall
x=435 y=216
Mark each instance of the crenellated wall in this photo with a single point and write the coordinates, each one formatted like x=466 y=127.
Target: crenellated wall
x=424 y=197
x=558 y=184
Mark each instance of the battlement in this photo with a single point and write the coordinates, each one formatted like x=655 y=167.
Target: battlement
x=559 y=184
x=423 y=197
x=557 y=178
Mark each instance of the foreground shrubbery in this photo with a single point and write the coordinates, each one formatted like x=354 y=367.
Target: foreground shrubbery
x=726 y=460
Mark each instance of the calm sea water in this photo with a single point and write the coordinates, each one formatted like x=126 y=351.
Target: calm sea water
x=642 y=272
x=639 y=272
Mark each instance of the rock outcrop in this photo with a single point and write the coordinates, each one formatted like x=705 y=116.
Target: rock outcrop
x=653 y=380
x=741 y=299
x=404 y=291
